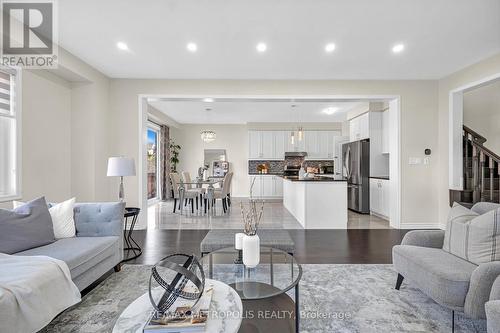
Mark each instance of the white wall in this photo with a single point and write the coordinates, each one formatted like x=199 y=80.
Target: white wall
x=479 y=71
x=46 y=136
x=419 y=124
x=482 y=113
x=65 y=133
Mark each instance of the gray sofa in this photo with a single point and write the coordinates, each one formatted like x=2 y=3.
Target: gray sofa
x=449 y=280
x=97 y=247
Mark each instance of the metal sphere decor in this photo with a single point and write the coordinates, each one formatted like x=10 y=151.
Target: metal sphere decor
x=189 y=271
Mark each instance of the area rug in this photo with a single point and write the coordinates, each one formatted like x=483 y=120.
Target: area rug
x=334 y=298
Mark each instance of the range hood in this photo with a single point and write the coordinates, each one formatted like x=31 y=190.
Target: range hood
x=295 y=154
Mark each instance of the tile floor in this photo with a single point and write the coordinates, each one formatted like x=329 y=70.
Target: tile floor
x=160 y=216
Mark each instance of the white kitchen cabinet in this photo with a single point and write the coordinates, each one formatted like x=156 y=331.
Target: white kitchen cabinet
x=266 y=186
x=268 y=145
x=359 y=127
x=385 y=133
x=380 y=197
x=278 y=187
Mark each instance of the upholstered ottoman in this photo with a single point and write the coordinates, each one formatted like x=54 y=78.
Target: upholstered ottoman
x=219 y=239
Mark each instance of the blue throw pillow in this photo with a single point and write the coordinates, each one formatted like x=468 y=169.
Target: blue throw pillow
x=25 y=227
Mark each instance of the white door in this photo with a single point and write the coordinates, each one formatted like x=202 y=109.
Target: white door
x=385 y=197
x=255 y=190
x=267 y=186
x=364 y=126
x=279 y=144
x=267 y=144
x=278 y=186
x=254 y=144
x=311 y=144
x=324 y=143
x=374 y=196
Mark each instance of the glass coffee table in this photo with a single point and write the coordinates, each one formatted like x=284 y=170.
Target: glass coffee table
x=264 y=290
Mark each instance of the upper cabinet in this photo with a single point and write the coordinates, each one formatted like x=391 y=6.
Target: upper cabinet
x=359 y=127
x=271 y=145
x=266 y=145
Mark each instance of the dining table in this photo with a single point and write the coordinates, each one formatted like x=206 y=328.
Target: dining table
x=198 y=183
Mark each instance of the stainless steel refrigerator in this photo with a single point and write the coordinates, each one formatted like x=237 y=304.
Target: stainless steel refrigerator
x=356 y=156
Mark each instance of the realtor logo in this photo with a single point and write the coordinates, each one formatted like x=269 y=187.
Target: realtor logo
x=28 y=34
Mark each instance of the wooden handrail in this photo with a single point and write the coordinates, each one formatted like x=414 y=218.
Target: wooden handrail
x=478 y=138
x=486 y=151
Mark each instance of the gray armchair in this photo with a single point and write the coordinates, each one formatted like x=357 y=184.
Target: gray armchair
x=493 y=308
x=449 y=280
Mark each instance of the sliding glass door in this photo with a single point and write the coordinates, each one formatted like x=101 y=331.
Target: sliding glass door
x=153 y=162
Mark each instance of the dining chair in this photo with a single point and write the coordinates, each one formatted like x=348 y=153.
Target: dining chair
x=186 y=176
x=188 y=194
x=223 y=193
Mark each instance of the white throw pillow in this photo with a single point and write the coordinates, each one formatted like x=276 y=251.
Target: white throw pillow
x=62 y=218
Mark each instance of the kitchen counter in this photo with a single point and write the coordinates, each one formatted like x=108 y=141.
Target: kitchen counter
x=317 y=203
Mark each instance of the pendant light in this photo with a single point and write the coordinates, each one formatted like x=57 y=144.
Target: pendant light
x=292 y=134
x=208 y=135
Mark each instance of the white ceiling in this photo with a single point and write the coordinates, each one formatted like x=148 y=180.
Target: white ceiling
x=243 y=112
x=440 y=37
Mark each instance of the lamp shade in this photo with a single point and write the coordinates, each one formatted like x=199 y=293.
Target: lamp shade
x=121 y=166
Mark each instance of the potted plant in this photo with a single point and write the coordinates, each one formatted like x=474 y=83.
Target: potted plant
x=174 y=155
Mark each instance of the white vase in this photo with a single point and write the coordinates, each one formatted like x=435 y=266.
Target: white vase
x=251 y=251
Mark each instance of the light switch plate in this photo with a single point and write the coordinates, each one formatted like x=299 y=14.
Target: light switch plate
x=415 y=161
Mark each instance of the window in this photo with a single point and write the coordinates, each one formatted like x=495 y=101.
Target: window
x=10 y=133
x=153 y=162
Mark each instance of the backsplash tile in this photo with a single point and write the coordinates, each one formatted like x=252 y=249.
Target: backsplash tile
x=275 y=167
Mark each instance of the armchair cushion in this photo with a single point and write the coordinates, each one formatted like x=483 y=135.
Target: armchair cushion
x=439 y=274
x=456 y=230
x=480 y=289
x=425 y=238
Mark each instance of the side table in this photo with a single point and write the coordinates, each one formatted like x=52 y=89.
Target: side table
x=131 y=213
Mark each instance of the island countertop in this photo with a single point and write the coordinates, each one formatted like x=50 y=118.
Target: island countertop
x=316 y=203
x=314 y=179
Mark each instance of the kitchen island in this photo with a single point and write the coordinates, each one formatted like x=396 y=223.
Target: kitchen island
x=317 y=203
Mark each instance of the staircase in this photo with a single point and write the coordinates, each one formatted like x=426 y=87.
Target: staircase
x=481 y=172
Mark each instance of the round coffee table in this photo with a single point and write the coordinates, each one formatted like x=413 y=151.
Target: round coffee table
x=263 y=289
x=226 y=304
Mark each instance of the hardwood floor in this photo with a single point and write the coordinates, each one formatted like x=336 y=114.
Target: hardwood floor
x=352 y=246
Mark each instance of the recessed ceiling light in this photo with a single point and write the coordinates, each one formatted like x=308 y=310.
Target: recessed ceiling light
x=330 y=110
x=329 y=48
x=398 y=48
x=208 y=100
x=122 y=46
x=261 y=47
x=192 y=47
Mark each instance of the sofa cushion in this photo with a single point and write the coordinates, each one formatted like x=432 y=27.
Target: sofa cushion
x=439 y=274
x=483 y=238
x=25 y=227
x=455 y=237
x=79 y=253
x=62 y=217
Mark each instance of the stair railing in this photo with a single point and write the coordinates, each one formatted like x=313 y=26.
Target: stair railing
x=483 y=162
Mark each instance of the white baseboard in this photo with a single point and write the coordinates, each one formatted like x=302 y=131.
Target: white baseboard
x=420 y=226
